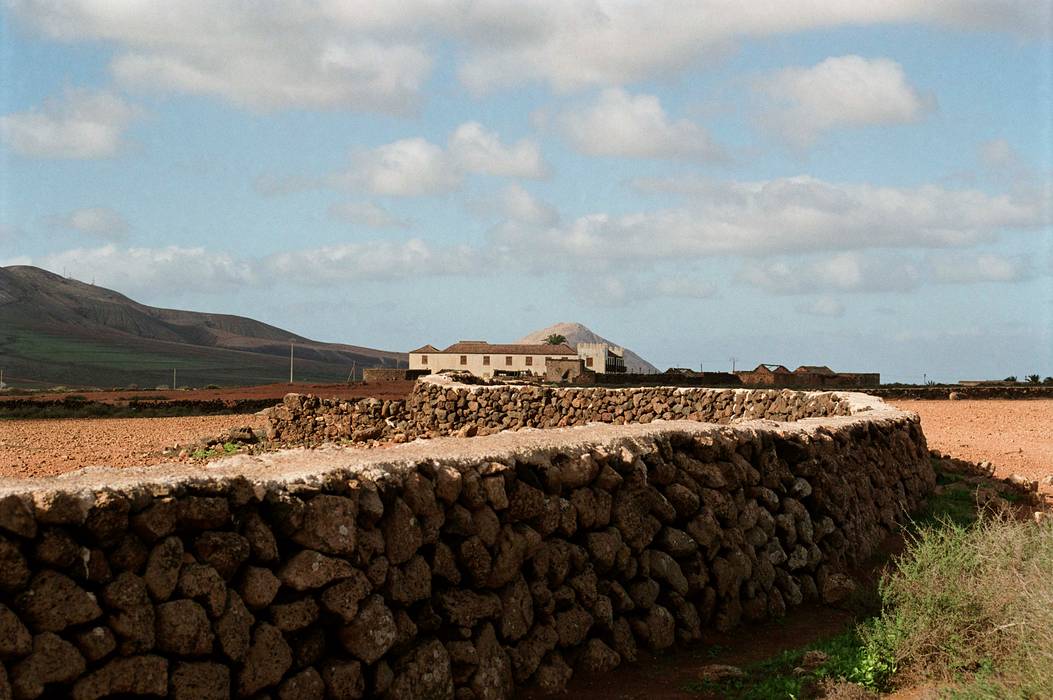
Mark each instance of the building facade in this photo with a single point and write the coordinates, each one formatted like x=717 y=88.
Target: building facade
x=602 y=358
x=484 y=359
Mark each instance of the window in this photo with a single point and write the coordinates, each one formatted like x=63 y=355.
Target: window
x=529 y=361
x=588 y=362
x=508 y=360
x=486 y=360
x=424 y=359
x=464 y=359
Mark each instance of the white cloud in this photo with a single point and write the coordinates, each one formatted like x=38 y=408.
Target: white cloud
x=476 y=150
x=406 y=168
x=999 y=154
x=80 y=125
x=843 y=91
x=378 y=56
x=873 y=272
x=516 y=204
x=823 y=306
x=634 y=126
x=804 y=214
x=967 y=268
x=260 y=55
x=846 y=272
x=375 y=260
x=366 y=214
x=622 y=287
x=148 y=270
x=684 y=288
x=101 y=222
x=572 y=45
x=414 y=167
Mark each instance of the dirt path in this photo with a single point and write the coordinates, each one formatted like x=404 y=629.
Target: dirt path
x=669 y=676
x=1015 y=436
x=33 y=448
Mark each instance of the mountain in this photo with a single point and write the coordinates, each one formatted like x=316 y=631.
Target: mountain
x=577 y=333
x=55 y=330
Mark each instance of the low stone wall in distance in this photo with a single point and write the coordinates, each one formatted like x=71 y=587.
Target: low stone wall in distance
x=944 y=392
x=382 y=374
x=439 y=569
x=439 y=407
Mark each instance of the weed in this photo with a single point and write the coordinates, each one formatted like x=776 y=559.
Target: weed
x=782 y=676
x=971 y=604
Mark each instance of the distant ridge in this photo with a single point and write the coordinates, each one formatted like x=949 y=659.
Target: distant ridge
x=577 y=333
x=55 y=330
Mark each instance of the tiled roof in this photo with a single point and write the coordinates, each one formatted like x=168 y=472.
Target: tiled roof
x=427 y=348
x=471 y=348
x=814 y=369
x=774 y=369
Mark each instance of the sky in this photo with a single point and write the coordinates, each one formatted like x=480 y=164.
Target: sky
x=863 y=184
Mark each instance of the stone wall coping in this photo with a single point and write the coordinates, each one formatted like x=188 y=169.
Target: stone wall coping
x=276 y=470
x=858 y=401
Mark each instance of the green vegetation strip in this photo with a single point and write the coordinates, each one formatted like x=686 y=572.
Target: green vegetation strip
x=968 y=608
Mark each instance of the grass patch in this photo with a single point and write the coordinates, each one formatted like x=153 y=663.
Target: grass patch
x=226 y=448
x=967 y=606
x=783 y=676
x=972 y=605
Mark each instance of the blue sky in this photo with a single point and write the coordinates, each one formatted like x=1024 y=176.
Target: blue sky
x=860 y=184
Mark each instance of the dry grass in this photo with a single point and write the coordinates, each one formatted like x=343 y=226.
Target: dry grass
x=972 y=606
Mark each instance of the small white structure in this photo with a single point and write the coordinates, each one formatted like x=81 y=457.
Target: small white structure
x=602 y=358
x=483 y=359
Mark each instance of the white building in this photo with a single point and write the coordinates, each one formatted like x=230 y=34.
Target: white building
x=602 y=358
x=483 y=359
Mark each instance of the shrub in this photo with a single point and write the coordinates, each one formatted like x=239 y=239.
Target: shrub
x=971 y=605
x=1033 y=379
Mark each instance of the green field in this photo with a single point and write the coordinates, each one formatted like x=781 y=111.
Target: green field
x=34 y=358
x=41 y=347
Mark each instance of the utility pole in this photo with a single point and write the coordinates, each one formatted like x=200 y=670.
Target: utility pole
x=733 y=359
x=173 y=378
x=291 y=343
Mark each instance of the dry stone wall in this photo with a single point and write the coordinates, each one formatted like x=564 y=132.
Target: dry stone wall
x=449 y=568
x=440 y=407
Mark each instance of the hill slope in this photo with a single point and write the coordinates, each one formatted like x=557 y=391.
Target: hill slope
x=55 y=330
x=577 y=333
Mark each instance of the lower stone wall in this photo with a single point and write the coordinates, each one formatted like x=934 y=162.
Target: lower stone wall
x=439 y=407
x=954 y=391
x=382 y=374
x=439 y=569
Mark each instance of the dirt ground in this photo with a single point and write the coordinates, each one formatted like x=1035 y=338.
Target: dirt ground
x=1015 y=436
x=35 y=448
